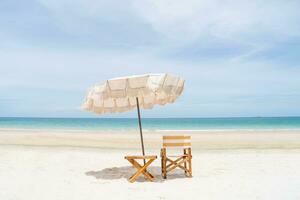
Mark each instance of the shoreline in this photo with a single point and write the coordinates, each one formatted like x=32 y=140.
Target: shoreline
x=153 y=139
x=8 y=129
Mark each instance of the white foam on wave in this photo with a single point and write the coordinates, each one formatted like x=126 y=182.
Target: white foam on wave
x=222 y=130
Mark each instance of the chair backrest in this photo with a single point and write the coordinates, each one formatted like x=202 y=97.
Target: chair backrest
x=176 y=141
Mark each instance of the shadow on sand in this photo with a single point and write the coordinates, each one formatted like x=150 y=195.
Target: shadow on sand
x=127 y=171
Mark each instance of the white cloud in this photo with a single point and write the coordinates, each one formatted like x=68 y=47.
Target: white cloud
x=233 y=20
x=58 y=78
x=168 y=26
x=55 y=69
x=214 y=82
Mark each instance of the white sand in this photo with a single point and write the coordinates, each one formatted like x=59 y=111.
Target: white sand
x=80 y=173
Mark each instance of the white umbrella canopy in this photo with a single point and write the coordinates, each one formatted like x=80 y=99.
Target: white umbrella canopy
x=119 y=94
x=126 y=93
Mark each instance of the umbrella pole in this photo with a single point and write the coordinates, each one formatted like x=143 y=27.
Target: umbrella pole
x=140 y=125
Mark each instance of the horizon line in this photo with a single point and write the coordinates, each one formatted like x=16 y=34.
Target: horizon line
x=35 y=117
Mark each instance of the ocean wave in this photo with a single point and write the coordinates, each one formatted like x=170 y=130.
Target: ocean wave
x=225 y=130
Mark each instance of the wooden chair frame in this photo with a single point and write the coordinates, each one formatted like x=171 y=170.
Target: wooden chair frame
x=183 y=162
x=142 y=169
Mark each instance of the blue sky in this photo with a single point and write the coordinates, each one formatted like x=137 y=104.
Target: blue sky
x=239 y=58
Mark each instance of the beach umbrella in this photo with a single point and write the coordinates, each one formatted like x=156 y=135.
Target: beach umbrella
x=126 y=93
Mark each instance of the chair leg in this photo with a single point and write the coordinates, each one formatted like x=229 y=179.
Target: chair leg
x=163 y=163
x=190 y=161
x=141 y=169
x=185 y=162
x=161 y=160
x=138 y=166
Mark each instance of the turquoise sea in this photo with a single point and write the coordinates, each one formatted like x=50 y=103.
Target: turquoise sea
x=154 y=124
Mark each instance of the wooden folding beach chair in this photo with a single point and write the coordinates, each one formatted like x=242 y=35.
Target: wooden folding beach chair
x=183 y=161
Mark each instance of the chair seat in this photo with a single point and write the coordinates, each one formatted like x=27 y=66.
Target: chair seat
x=177 y=156
x=141 y=157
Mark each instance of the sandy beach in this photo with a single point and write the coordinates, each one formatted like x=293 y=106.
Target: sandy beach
x=57 y=165
x=87 y=87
